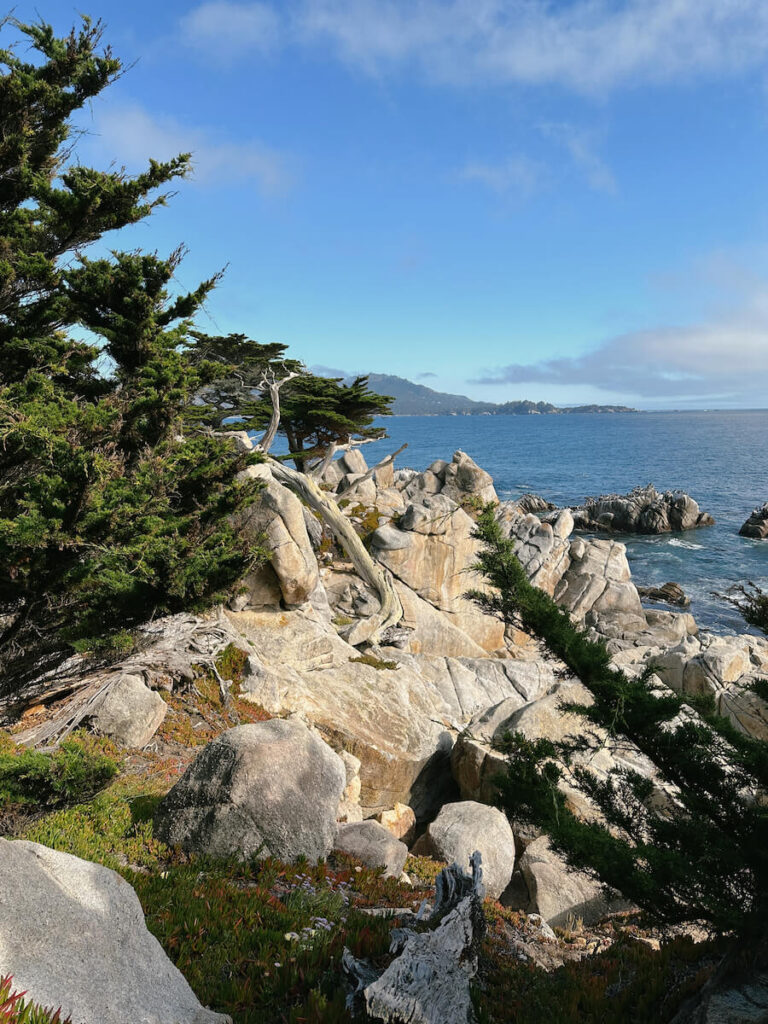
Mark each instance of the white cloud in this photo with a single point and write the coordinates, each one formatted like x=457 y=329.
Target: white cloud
x=517 y=174
x=224 y=29
x=579 y=144
x=721 y=358
x=725 y=362
x=129 y=135
x=588 y=45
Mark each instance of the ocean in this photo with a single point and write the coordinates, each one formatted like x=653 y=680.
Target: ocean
x=719 y=458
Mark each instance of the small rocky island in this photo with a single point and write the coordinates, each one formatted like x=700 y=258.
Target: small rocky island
x=644 y=510
x=757 y=524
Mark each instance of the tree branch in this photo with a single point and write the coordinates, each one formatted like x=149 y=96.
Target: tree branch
x=391 y=610
x=270 y=383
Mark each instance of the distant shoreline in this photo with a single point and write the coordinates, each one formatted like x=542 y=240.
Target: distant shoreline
x=565 y=411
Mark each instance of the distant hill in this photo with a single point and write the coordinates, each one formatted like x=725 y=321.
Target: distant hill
x=417 y=400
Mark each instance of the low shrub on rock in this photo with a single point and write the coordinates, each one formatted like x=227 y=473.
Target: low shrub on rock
x=75 y=770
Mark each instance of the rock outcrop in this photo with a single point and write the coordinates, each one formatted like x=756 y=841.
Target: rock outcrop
x=265 y=790
x=643 y=510
x=73 y=935
x=720 y=667
x=279 y=517
x=476 y=760
x=667 y=593
x=398 y=713
x=431 y=552
x=757 y=524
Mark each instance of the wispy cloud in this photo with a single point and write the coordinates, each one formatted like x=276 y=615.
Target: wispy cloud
x=518 y=174
x=425 y=376
x=330 y=371
x=130 y=135
x=226 y=29
x=725 y=361
x=587 y=45
x=579 y=144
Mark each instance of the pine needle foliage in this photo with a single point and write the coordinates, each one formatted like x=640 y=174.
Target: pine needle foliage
x=705 y=856
x=114 y=505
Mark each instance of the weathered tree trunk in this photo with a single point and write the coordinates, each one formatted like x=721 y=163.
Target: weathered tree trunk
x=390 y=611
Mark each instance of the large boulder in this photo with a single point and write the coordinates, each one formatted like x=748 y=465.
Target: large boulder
x=268 y=790
x=278 y=516
x=373 y=845
x=434 y=560
x=463 y=827
x=128 y=712
x=558 y=892
x=757 y=524
x=73 y=935
x=597 y=588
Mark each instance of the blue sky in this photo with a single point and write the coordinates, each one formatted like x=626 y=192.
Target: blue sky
x=562 y=200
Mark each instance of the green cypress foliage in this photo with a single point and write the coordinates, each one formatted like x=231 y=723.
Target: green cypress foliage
x=707 y=858
x=114 y=505
x=315 y=412
x=320 y=411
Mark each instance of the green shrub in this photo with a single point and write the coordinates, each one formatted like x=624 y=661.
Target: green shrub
x=75 y=770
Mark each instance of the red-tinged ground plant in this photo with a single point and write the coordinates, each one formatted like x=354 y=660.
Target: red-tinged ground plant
x=15 y=1009
x=115 y=503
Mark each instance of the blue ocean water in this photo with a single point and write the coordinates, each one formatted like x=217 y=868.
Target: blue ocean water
x=719 y=458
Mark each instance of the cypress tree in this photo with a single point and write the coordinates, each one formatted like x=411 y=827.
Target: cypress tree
x=114 y=503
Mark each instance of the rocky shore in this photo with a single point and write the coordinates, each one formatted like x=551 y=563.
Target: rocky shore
x=381 y=752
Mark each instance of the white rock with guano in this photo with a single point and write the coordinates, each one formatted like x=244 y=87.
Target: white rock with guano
x=462 y=828
x=72 y=934
x=266 y=790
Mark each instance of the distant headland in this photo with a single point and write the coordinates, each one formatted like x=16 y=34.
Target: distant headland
x=417 y=400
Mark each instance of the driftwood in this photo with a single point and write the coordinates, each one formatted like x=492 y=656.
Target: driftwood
x=167 y=651
x=428 y=982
